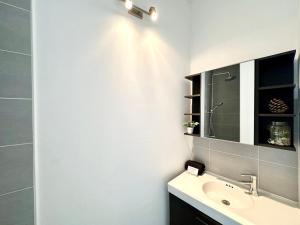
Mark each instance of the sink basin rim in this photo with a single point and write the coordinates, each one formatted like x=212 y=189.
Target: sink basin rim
x=227 y=195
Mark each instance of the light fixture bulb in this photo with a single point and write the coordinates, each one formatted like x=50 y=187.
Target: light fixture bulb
x=153 y=14
x=128 y=4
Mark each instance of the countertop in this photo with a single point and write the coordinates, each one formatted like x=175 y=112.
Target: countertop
x=265 y=211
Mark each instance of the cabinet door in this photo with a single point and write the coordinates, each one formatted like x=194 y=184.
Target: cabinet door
x=183 y=214
x=199 y=221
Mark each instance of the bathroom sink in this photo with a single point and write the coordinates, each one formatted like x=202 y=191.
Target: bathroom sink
x=228 y=195
x=229 y=202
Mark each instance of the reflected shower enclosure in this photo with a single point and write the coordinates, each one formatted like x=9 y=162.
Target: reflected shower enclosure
x=222 y=103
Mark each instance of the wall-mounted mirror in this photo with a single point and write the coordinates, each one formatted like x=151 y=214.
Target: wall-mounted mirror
x=228 y=103
x=222 y=98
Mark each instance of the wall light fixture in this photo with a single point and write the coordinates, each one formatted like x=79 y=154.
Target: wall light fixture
x=139 y=12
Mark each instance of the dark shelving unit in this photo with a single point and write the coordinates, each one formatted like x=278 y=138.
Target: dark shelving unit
x=195 y=97
x=193 y=77
x=192 y=96
x=289 y=148
x=194 y=135
x=192 y=114
x=274 y=78
x=277 y=115
x=277 y=87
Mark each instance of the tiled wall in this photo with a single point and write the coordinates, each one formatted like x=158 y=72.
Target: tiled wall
x=16 y=149
x=275 y=168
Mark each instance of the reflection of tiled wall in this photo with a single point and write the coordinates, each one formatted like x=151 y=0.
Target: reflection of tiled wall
x=276 y=169
x=16 y=150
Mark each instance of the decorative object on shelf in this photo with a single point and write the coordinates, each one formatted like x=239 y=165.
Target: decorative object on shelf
x=278 y=106
x=190 y=126
x=280 y=134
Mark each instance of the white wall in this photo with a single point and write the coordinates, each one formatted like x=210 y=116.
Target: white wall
x=233 y=31
x=108 y=107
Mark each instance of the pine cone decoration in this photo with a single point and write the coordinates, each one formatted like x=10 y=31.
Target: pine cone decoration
x=277 y=106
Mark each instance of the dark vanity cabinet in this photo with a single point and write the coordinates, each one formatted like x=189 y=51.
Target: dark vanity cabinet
x=182 y=213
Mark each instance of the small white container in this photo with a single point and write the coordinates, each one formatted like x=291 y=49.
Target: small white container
x=190 y=130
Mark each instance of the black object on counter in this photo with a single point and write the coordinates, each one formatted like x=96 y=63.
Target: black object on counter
x=197 y=165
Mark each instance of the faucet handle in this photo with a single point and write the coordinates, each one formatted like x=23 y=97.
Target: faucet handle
x=252 y=183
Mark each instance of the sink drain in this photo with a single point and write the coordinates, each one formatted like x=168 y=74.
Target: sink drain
x=225 y=202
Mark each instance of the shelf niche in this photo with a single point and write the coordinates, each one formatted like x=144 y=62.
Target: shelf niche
x=274 y=78
x=196 y=102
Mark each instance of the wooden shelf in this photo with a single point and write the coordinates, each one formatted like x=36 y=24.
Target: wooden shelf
x=192 y=96
x=289 y=148
x=192 y=114
x=276 y=115
x=192 y=77
x=277 y=87
x=194 y=135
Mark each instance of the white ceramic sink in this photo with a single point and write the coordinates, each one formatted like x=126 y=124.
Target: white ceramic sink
x=206 y=192
x=227 y=195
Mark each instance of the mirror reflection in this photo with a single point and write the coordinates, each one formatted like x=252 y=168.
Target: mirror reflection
x=222 y=98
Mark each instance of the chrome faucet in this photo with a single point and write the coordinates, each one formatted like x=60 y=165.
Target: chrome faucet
x=252 y=183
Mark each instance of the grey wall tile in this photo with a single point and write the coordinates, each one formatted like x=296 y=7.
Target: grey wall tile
x=234 y=148
x=16 y=162
x=15 y=122
x=201 y=142
x=15 y=75
x=14 y=29
x=17 y=208
x=287 y=158
x=16 y=170
x=280 y=180
x=25 y=4
x=231 y=166
x=201 y=155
